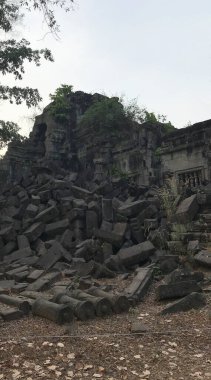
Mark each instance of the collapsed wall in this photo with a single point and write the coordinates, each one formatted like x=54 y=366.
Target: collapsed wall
x=128 y=152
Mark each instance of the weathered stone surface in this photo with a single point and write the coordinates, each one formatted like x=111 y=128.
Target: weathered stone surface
x=7 y=249
x=17 y=255
x=191 y=301
x=91 y=222
x=187 y=209
x=203 y=258
x=136 y=254
x=10 y=274
x=56 y=228
x=8 y=234
x=132 y=209
x=47 y=215
x=177 y=290
x=193 y=246
x=44 y=282
x=179 y=275
x=6 y=284
x=107 y=210
x=31 y=210
x=35 y=231
x=54 y=254
x=140 y=284
x=11 y=314
x=23 y=241
x=109 y=236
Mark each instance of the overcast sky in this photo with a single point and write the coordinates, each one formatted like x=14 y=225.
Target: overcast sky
x=156 y=50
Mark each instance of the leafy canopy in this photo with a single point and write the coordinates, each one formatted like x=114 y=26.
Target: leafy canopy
x=14 y=54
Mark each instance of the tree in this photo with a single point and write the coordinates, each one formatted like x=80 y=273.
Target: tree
x=13 y=54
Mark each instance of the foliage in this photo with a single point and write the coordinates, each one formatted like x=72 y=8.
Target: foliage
x=9 y=131
x=141 y=115
x=59 y=108
x=118 y=173
x=104 y=115
x=14 y=54
x=113 y=114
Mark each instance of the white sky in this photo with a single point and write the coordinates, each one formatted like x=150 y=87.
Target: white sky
x=156 y=50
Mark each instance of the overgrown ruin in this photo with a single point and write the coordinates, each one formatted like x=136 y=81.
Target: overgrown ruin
x=80 y=204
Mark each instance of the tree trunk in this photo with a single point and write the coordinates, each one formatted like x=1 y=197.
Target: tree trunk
x=50 y=310
x=119 y=302
x=83 y=310
x=102 y=305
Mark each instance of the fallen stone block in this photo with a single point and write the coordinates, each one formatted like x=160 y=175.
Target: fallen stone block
x=56 y=228
x=80 y=193
x=177 y=290
x=10 y=274
x=47 y=215
x=21 y=303
x=7 y=284
x=35 y=231
x=109 y=236
x=8 y=234
x=140 y=284
x=107 y=210
x=136 y=254
x=34 y=275
x=7 y=249
x=179 y=275
x=83 y=310
x=203 y=258
x=11 y=314
x=23 y=242
x=191 y=301
x=119 y=302
x=54 y=254
x=31 y=211
x=21 y=276
x=193 y=246
x=187 y=209
x=52 y=311
x=18 y=255
x=132 y=209
x=91 y=222
x=44 y=282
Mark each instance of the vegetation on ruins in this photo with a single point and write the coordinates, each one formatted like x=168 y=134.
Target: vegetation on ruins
x=113 y=114
x=14 y=54
x=59 y=108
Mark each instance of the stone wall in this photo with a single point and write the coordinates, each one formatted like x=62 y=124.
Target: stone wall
x=186 y=153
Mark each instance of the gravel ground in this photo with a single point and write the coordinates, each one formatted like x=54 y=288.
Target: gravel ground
x=175 y=347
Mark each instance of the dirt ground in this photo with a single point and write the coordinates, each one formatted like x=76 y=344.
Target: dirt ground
x=174 y=347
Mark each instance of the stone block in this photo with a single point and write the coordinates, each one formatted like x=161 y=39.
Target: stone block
x=191 y=301
x=140 y=284
x=7 y=249
x=179 y=275
x=10 y=274
x=132 y=209
x=23 y=241
x=8 y=234
x=203 y=258
x=177 y=290
x=107 y=210
x=18 y=255
x=68 y=240
x=109 y=237
x=193 y=246
x=187 y=209
x=79 y=203
x=81 y=193
x=47 y=215
x=137 y=254
x=56 y=228
x=11 y=314
x=31 y=210
x=44 y=282
x=34 y=275
x=76 y=213
x=34 y=231
x=91 y=222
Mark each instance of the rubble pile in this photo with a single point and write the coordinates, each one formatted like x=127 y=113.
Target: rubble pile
x=58 y=239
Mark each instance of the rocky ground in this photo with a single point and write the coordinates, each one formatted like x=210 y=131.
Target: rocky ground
x=173 y=347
